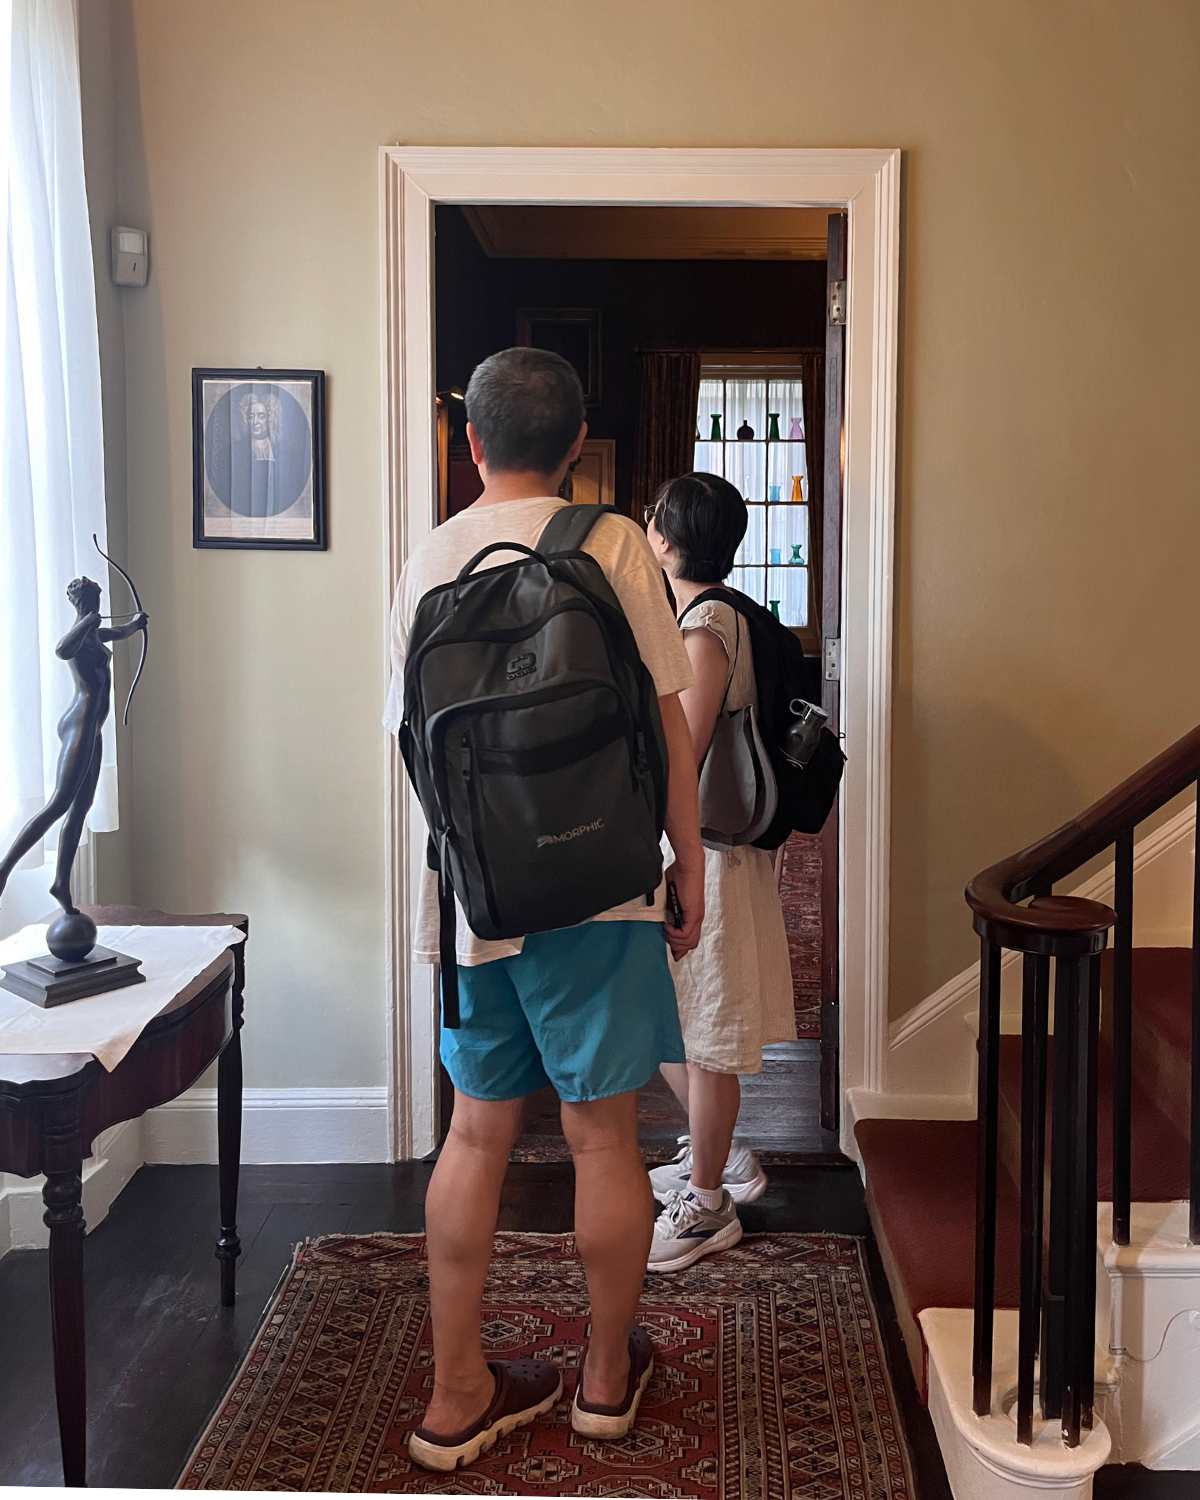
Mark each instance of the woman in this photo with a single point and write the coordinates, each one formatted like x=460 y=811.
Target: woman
x=735 y=989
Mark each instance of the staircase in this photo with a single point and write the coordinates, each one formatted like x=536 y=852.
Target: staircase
x=1044 y=1258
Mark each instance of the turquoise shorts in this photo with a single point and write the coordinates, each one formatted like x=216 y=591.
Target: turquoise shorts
x=590 y=1009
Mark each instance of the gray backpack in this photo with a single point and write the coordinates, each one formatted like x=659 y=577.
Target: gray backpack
x=532 y=736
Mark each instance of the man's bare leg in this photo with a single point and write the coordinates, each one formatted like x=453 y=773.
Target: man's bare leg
x=713 y=1103
x=461 y=1205
x=614 y=1220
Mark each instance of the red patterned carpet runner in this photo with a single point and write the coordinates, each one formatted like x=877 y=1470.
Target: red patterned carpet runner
x=770 y=1381
x=800 y=892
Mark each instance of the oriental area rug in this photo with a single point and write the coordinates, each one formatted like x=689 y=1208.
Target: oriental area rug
x=770 y=1378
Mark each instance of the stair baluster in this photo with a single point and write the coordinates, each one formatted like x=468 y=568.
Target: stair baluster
x=1034 y=1007
x=1122 y=1041
x=1194 y=1143
x=985 y=1172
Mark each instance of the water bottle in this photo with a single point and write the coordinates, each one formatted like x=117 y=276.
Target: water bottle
x=802 y=734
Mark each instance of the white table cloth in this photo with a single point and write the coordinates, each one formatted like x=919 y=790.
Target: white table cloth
x=108 y=1025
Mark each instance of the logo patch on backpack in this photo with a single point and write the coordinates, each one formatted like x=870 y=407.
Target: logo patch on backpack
x=571 y=833
x=521 y=666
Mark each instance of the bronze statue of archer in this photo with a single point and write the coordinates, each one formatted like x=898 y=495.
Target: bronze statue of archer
x=72 y=936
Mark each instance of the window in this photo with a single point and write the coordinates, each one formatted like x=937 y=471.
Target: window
x=750 y=428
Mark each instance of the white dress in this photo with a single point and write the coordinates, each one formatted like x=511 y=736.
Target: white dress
x=735 y=989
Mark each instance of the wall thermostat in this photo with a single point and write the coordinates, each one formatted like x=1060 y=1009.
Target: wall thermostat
x=130 y=256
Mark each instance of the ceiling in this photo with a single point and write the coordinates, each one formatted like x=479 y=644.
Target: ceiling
x=565 y=232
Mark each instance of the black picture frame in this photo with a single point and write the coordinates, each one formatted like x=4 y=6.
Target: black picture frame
x=573 y=332
x=239 y=493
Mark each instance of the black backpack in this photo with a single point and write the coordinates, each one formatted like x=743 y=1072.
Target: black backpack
x=532 y=736
x=783 y=672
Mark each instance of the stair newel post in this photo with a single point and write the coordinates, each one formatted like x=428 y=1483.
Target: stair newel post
x=1122 y=1040
x=1194 y=1142
x=986 y=1142
x=1034 y=1005
x=1053 y=1327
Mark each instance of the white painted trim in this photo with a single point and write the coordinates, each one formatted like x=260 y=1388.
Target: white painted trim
x=294 y=1126
x=935 y=1022
x=301 y=1126
x=867 y=183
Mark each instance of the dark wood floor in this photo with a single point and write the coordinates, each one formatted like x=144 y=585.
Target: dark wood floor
x=161 y=1350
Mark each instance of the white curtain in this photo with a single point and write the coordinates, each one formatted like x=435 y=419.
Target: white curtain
x=51 y=443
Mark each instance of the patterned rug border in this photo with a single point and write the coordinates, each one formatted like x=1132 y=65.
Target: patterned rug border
x=409 y=1249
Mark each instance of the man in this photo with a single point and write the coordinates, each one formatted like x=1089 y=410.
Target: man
x=591 y=1009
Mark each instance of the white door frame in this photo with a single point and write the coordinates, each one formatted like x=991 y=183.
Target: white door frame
x=412 y=180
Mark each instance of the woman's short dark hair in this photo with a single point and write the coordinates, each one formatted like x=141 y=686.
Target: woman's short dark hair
x=526 y=405
x=704 y=518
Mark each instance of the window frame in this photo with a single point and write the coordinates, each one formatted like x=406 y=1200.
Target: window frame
x=774 y=364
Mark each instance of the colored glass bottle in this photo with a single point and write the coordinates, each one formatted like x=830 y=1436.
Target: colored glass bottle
x=797 y=491
x=774 y=493
x=796 y=558
x=745 y=432
x=715 y=435
x=772 y=427
x=775 y=608
x=796 y=435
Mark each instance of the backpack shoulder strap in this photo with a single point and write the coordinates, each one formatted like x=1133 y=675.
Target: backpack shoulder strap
x=721 y=596
x=568 y=528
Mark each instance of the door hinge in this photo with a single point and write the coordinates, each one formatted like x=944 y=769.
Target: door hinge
x=837 y=302
x=833 y=659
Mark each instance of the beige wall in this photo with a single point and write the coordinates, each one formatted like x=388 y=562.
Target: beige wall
x=1048 y=515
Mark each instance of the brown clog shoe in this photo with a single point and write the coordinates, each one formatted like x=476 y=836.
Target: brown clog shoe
x=525 y=1389
x=593 y=1420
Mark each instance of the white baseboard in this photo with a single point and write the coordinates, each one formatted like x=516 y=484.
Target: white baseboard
x=117 y=1156
x=278 y=1126
x=931 y=1048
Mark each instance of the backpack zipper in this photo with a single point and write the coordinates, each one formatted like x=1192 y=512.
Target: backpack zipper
x=476 y=817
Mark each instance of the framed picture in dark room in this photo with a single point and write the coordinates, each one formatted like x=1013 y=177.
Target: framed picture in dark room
x=573 y=332
x=258 y=458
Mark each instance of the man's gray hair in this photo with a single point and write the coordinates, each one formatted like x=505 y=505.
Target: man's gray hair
x=527 y=407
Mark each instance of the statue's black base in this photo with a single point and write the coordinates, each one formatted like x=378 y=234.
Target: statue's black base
x=52 y=981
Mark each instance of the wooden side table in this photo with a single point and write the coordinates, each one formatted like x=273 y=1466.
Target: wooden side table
x=52 y=1108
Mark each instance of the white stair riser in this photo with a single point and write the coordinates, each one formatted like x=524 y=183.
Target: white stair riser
x=1148 y=1316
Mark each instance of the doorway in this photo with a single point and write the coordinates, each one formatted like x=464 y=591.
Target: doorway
x=699 y=336
x=414 y=182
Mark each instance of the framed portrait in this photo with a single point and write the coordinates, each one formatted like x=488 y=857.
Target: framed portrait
x=258 y=459
x=573 y=332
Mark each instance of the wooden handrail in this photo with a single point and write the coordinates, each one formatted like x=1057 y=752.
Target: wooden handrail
x=1068 y=924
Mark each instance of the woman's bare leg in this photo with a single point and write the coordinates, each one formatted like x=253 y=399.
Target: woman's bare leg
x=676 y=1076
x=461 y=1205
x=614 y=1221
x=713 y=1103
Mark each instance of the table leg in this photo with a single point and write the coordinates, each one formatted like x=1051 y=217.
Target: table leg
x=63 y=1196
x=229 y=1140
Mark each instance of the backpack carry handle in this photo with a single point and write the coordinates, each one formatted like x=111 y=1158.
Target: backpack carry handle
x=470 y=567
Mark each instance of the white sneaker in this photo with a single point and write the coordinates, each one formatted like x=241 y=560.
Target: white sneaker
x=743 y=1178
x=686 y=1230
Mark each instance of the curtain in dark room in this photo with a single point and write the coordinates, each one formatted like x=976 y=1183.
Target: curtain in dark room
x=812 y=373
x=666 y=434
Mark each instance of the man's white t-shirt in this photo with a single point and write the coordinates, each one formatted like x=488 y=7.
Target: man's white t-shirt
x=620 y=547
